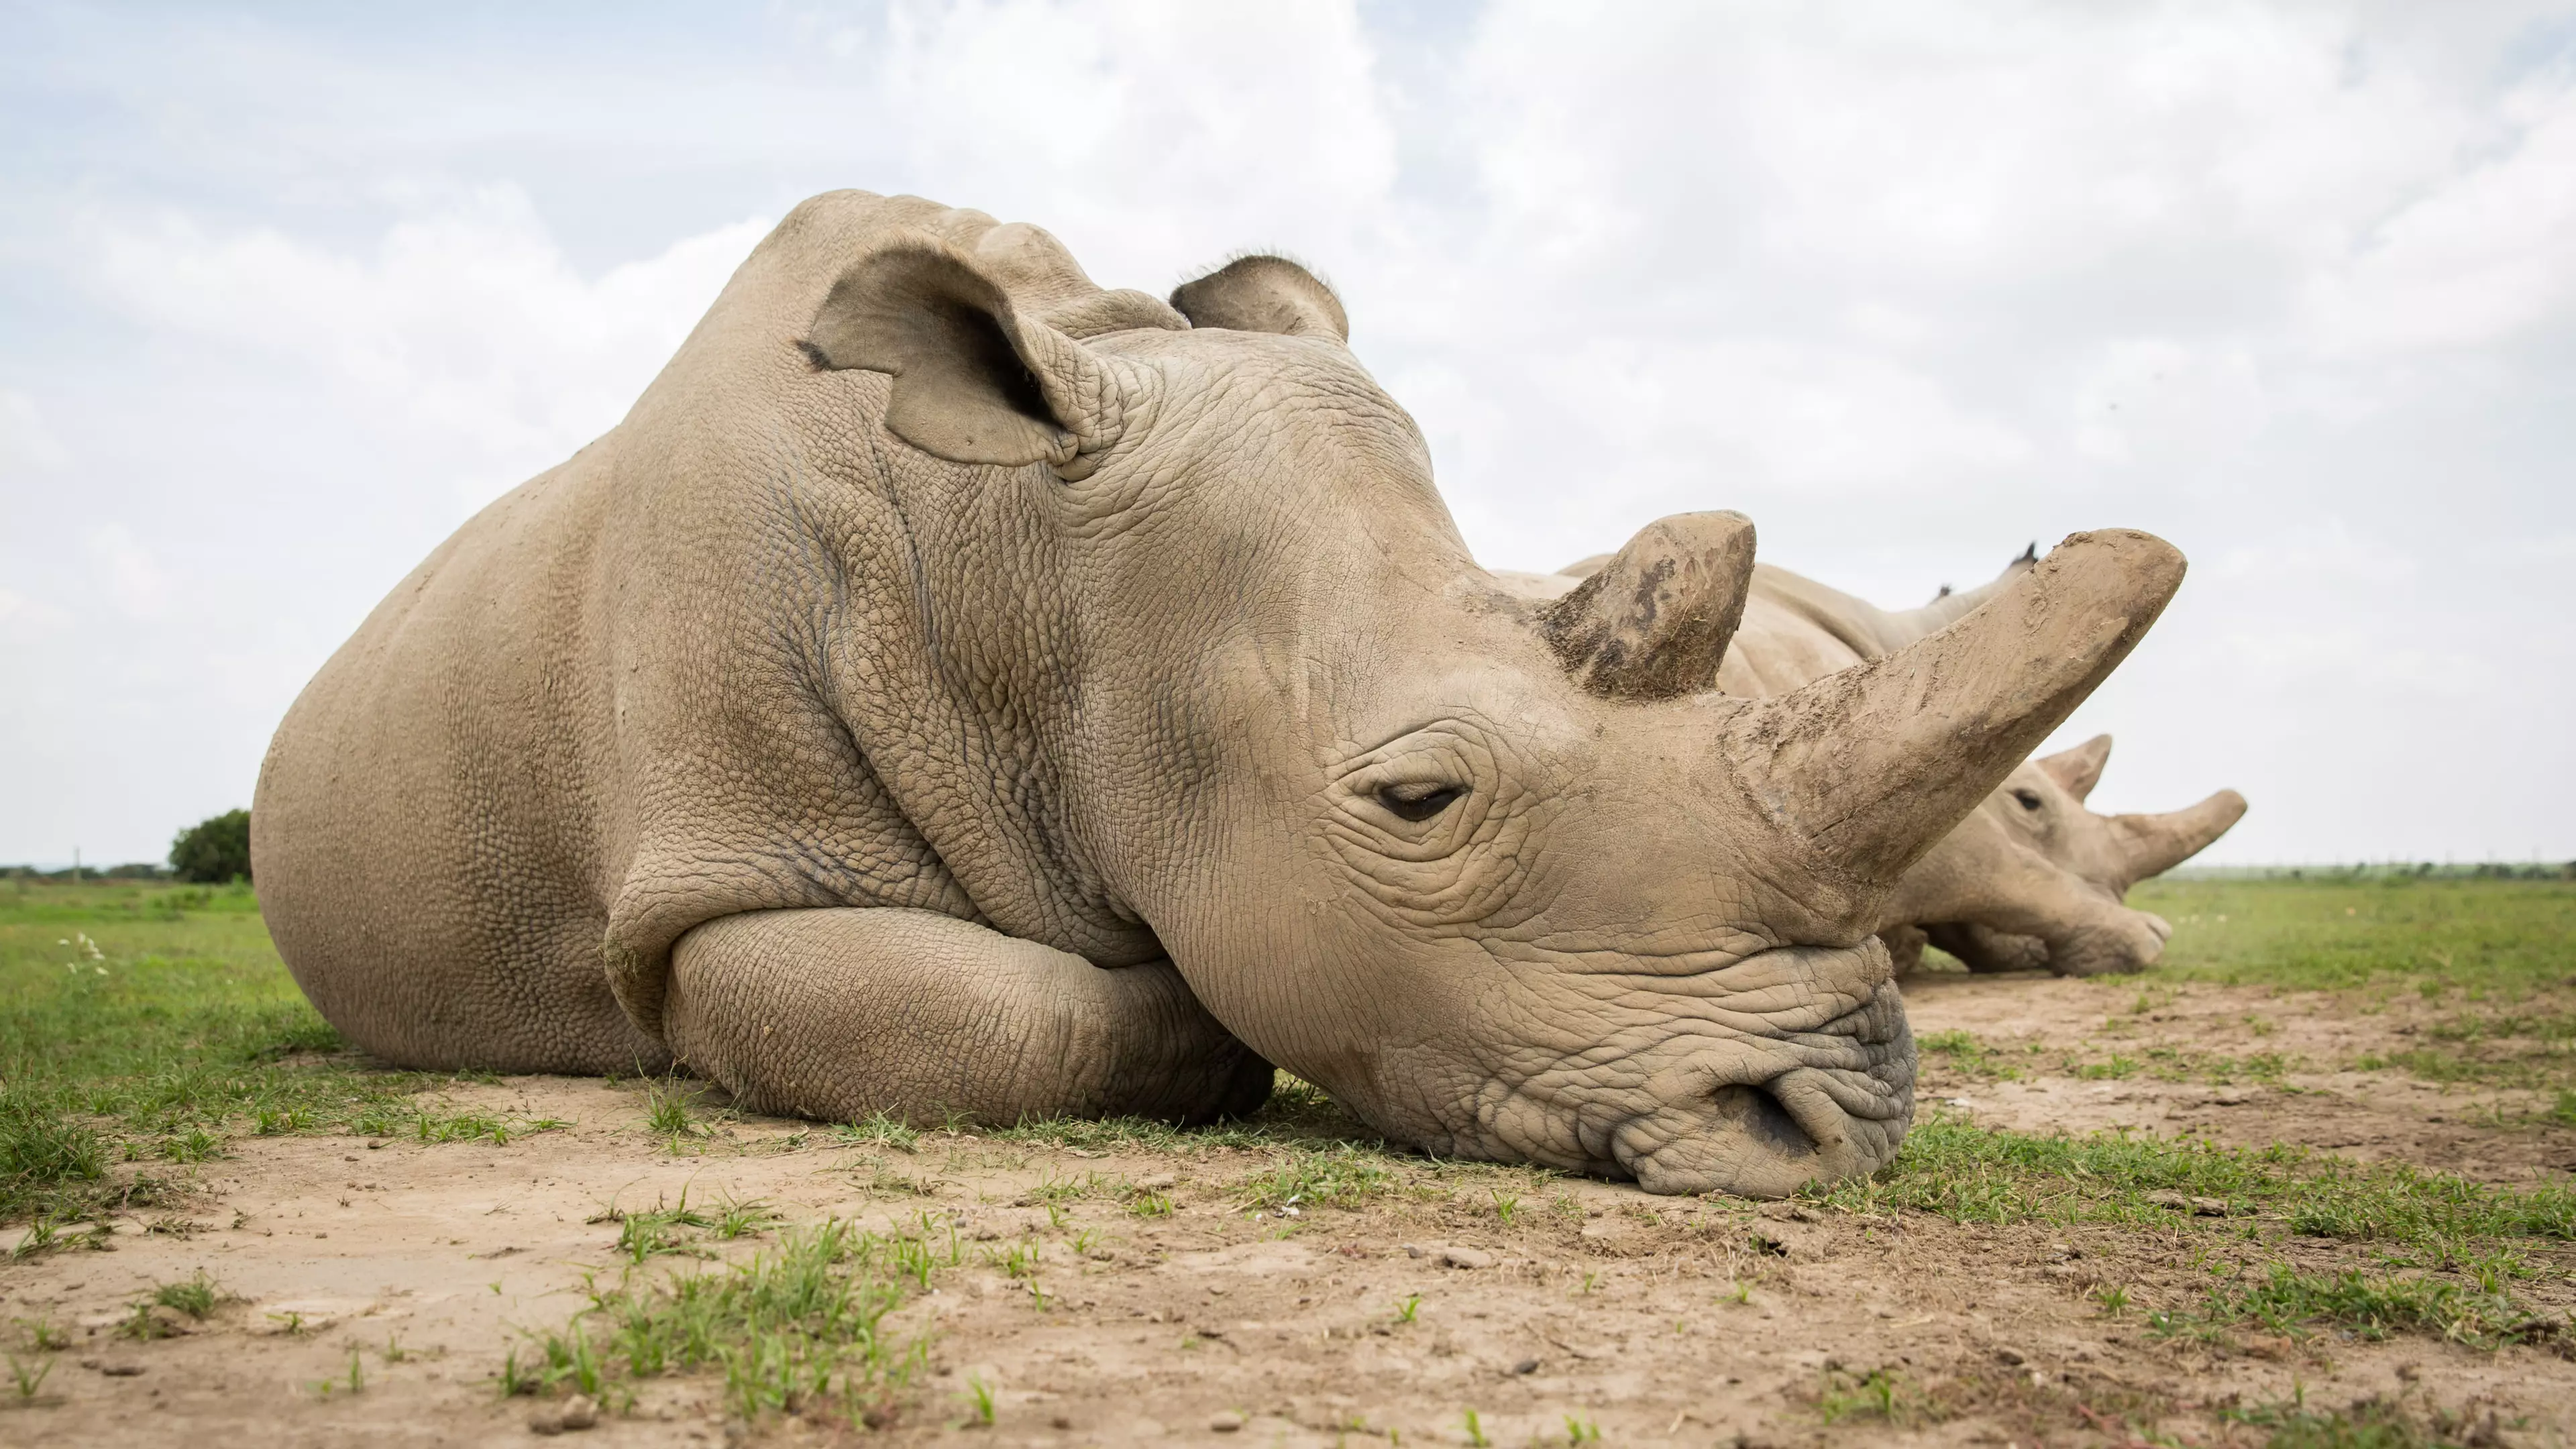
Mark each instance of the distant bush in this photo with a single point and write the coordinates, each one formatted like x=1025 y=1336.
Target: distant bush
x=214 y=851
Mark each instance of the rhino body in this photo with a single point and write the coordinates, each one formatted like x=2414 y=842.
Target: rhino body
x=2031 y=879
x=958 y=688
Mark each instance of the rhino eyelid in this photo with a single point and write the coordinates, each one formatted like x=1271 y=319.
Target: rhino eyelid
x=1418 y=801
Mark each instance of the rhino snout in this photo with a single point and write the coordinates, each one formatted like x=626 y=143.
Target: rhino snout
x=1767 y=1123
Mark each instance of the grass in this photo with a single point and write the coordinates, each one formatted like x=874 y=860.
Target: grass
x=150 y=1027
x=149 y=1024
x=1342 y=1177
x=2291 y=1303
x=195 y=1297
x=2491 y=957
x=1973 y=1174
x=1880 y=1394
x=2485 y=938
x=2374 y=1423
x=798 y=1328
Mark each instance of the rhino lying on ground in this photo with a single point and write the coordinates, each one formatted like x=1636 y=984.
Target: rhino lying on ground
x=2031 y=879
x=955 y=687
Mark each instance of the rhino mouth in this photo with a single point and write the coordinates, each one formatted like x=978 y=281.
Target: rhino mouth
x=1768 y=1117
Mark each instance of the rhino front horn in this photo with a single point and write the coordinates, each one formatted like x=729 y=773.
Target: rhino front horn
x=1875 y=764
x=1654 y=622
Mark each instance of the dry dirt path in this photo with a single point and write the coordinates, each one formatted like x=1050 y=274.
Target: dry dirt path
x=1595 y=1306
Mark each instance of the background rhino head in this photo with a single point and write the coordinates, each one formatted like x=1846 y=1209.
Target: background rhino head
x=2032 y=880
x=1500 y=876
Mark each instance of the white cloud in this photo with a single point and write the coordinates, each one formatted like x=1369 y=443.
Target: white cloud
x=1152 y=134
x=23 y=619
x=2329 y=552
x=465 y=320
x=2486 y=256
x=26 y=444
x=133 y=580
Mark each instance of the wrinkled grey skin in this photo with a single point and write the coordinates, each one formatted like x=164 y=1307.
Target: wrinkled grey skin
x=2031 y=880
x=954 y=687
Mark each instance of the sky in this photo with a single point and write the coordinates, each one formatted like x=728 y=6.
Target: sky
x=286 y=293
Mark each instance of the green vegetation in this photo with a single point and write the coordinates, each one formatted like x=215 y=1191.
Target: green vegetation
x=146 y=1024
x=1880 y=1394
x=2495 y=956
x=2286 y=1301
x=2370 y=1424
x=215 y=851
x=1974 y=1174
x=195 y=1297
x=1961 y=1052
x=2480 y=937
x=1341 y=1177
x=795 y=1329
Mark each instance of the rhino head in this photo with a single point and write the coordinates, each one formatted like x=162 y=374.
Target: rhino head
x=2034 y=880
x=1503 y=877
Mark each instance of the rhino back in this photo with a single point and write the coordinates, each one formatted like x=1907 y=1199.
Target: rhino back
x=692 y=672
x=424 y=857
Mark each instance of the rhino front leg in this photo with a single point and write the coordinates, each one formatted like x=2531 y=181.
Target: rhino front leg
x=837 y=1014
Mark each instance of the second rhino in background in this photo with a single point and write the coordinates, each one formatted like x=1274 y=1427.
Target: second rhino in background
x=2032 y=880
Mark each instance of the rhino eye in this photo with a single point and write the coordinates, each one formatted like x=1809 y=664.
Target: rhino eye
x=1418 y=801
x=2029 y=798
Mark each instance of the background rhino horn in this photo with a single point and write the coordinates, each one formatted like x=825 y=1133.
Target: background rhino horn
x=2078 y=770
x=2157 y=843
x=1873 y=765
x=1654 y=621
x=1264 y=294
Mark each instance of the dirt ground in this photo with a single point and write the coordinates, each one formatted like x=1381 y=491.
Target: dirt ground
x=1599 y=1307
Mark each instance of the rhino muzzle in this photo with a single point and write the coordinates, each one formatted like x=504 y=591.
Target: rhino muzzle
x=1811 y=1107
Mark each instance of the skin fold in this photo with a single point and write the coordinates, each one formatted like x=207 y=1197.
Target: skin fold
x=2031 y=880
x=956 y=687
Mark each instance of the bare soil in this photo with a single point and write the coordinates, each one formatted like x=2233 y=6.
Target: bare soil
x=1595 y=1304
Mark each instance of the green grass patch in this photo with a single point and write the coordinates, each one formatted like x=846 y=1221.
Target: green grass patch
x=2374 y=1423
x=1973 y=1174
x=148 y=1024
x=2484 y=938
x=799 y=1328
x=2495 y=956
x=1298 y=1115
x=2289 y=1302
x=1961 y=1052
x=1342 y=1177
x=195 y=1297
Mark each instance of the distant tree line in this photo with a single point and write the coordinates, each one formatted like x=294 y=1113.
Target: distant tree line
x=214 y=851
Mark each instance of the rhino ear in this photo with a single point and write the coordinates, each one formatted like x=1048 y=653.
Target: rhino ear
x=975 y=381
x=1264 y=294
x=1654 y=621
x=2078 y=770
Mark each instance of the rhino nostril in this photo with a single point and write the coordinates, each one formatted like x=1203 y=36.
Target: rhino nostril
x=1759 y=1114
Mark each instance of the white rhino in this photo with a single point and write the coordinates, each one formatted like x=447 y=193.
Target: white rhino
x=957 y=687
x=2031 y=879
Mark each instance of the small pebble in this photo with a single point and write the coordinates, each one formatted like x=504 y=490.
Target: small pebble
x=1225 y=1421
x=1466 y=1258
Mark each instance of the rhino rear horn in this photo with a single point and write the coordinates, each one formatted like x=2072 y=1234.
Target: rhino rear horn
x=2154 y=844
x=2078 y=770
x=1873 y=765
x=1654 y=621
x=974 y=379
x=1264 y=294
